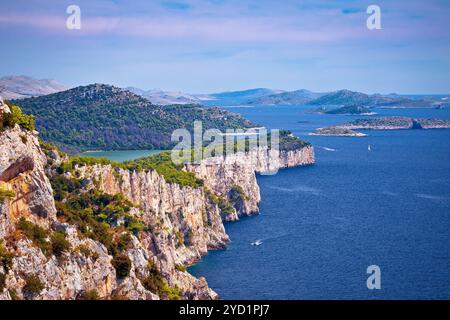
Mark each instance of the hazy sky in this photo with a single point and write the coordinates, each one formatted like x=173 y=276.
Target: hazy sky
x=202 y=46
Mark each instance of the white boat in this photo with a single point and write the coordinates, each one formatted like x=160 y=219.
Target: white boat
x=369 y=148
x=257 y=243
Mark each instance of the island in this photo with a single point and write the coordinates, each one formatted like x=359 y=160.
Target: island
x=382 y=123
x=346 y=110
x=336 y=131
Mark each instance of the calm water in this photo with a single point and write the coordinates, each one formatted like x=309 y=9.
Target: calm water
x=122 y=155
x=322 y=226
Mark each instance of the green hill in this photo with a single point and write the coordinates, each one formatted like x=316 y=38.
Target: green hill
x=105 y=117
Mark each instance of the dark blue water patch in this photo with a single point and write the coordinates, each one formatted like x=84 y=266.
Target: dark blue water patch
x=322 y=226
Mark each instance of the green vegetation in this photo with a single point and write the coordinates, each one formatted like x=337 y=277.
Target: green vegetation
x=162 y=163
x=13 y=294
x=92 y=209
x=2 y=281
x=88 y=253
x=289 y=142
x=180 y=268
x=36 y=234
x=118 y=297
x=122 y=264
x=73 y=162
x=155 y=283
x=5 y=257
x=33 y=285
x=180 y=239
x=336 y=131
x=59 y=243
x=16 y=116
x=225 y=206
x=350 y=110
x=124 y=242
x=89 y=295
x=237 y=194
x=108 y=118
x=63 y=186
x=6 y=194
x=99 y=216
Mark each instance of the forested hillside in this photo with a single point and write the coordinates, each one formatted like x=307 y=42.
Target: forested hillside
x=105 y=117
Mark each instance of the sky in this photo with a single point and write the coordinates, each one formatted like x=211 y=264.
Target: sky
x=204 y=46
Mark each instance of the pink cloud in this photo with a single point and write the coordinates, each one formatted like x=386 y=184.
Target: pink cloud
x=330 y=27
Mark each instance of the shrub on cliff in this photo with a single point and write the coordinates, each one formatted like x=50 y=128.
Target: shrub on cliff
x=122 y=264
x=36 y=234
x=237 y=195
x=226 y=208
x=89 y=295
x=16 y=116
x=5 y=257
x=96 y=214
x=155 y=283
x=59 y=244
x=124 y=242
x=180 y=268
x=33 y=285
x=4 y=194
x=2 y=281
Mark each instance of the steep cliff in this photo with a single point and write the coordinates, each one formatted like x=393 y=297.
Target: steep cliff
x=234 y=176
x=97 y=230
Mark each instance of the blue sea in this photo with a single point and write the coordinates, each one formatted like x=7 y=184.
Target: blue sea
x=321 y=226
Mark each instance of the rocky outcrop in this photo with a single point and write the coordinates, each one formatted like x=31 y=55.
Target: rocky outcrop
x=222 y=174
x=22 y=171
x=169 y=207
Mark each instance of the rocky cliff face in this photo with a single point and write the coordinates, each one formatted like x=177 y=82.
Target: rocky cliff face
x=183 y=223
x=223 y=175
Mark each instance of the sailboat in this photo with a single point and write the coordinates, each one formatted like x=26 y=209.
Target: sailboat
x=369 y=148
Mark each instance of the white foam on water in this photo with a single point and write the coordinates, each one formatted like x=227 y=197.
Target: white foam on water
x=431 y=196
x=300 y=188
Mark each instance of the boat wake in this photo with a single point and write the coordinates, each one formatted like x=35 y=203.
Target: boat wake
x=389 y=193
x=431 y=197
x=260 y=241
x=313 y=191
x=328 y=149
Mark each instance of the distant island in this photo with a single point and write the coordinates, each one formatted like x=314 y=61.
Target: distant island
x=349 y=110
x=298 y=97
x=336 y=131
x=20 y=87
x=348 y=98
x=383 y=123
